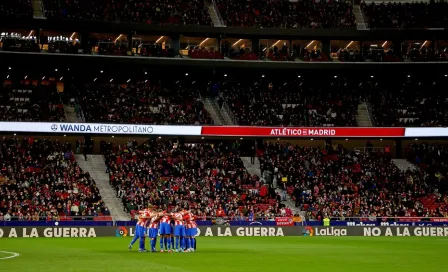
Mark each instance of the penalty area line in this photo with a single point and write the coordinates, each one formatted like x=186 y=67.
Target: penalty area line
x=12 y=255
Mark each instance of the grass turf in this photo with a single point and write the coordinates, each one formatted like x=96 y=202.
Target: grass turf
x=231 y=254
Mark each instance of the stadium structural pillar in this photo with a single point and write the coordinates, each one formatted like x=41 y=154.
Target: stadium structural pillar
x=130 y=44
x=256 y=46
x=219 y=40
x=38 y=34
x=176 y=43
x=326 y=47
x=328 y=144
x=399 y=147
x=85 y=43
x=397 y=47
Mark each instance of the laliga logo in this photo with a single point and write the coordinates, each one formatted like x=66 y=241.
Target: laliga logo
x=308 y=231
x=121 y=231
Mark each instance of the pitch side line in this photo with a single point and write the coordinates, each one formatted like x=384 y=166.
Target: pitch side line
x=13 y=255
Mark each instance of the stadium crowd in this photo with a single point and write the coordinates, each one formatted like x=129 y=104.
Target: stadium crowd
x=300 y=102
x=287 y=14
x=18 y=9
x=143 y=102
x=19 y=102
x=208 y=178
x=340 y=183
x=406 y=15
x=411 y=101
x=40 y=180
x=141 y=11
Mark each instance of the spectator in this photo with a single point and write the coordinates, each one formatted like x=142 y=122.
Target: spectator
x=38 y=182
x=406 y=15
x=144 y=102
x=207 y=178
x=174 y=12
x=286 y=14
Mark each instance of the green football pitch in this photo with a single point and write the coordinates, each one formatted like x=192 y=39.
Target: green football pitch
x=230 y=254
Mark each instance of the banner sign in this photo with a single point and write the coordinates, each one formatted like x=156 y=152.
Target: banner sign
x=221 y=131
x=250 y=231
x=91 y=128
x=391 y=224
x=280 y=221
x=284 y=221
x=302 y=131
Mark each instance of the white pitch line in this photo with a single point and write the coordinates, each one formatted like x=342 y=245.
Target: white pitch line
x=13 y=255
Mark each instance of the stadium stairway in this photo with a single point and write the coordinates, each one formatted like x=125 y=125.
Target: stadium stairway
x=255 y=169
x=363 y=116
x=70 y=115
x=214 y=15
x=97 y=168
x=212 y=107
x=404 y=165
x=229 y=118
x=38 y=9
x=359 y=18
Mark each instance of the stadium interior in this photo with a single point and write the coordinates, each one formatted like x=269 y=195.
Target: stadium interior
x=273 y=113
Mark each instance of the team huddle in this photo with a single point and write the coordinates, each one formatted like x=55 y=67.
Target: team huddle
x=177 y=231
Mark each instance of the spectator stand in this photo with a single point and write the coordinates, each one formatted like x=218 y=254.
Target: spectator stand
x=208 y=178
x=30 y=101
x=336 y=182
x=298 y=102
x=143 y=102
x=172 y=12
x=286 y=14
x=19 y=9
x=423 y=15
x=40 y=180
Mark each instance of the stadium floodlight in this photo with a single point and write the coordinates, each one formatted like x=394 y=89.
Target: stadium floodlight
x=237 y=42
x=206 y=39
